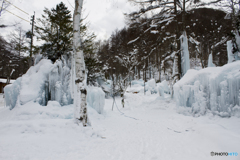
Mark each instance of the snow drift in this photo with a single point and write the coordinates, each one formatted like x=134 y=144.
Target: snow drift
x=216 y=89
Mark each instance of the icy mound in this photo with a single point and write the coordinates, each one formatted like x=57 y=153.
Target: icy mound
x=96 y=98
x=43 y=82
x=139 y=82
x=137 y=86
x=151 y=86
x=216 y=89
x=11 y=93
x=163 y=88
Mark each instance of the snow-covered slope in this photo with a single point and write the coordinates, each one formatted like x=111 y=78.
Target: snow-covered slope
x=148 y=128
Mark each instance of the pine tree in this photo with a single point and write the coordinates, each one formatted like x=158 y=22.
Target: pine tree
x=56 y=32
x=93 y=66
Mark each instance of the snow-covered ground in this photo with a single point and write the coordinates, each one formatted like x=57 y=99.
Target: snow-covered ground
x=149 y=129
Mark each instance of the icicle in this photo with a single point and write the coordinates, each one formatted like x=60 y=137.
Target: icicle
x=210 y=63
x=229 y=51
x=184 y=53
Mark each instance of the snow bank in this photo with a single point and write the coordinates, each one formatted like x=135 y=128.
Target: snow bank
x=96 y=98
x=216 y=89
x=43 y=82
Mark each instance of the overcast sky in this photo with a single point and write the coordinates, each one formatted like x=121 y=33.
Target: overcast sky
x=104 y=16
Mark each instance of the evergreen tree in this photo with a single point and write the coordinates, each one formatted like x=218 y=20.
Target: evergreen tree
x=56 y=32
x=93 y=65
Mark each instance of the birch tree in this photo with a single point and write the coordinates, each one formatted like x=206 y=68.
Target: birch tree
x=80 y=94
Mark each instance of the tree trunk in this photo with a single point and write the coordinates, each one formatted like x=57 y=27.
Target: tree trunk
x=179 y=67
x=80 y=80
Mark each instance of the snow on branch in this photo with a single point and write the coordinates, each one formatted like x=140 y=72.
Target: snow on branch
x=150 y=8
x=147 y=29
x=165 y=20
x=205 y=4
x=132 y=41
x=193 y=41
x=219 y=43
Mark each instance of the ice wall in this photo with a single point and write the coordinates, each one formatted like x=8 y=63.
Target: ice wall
x=96 y=98
x=11 y=93
x=216 y=89
x=43 y=82
x=33 y=81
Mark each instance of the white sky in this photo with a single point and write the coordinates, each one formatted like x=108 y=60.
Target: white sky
x=104 y=16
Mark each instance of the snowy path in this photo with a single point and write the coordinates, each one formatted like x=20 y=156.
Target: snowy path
x=150 y=129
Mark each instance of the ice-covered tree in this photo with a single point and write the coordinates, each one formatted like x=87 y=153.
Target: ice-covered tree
x=80 y=94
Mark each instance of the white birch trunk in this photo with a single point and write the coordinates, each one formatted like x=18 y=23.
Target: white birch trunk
x=80 y=94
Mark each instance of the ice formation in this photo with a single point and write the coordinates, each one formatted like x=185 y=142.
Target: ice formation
x=43 y=82
x=229 y=51
x=137 y=82
x=216 y=89
x=184 y=53
x=237 y=54
x=107 y=87
x=151 y=86
x=11 y=93
x=233 y=56
x=163 y=88
x=210 y=61
x=96 y=98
